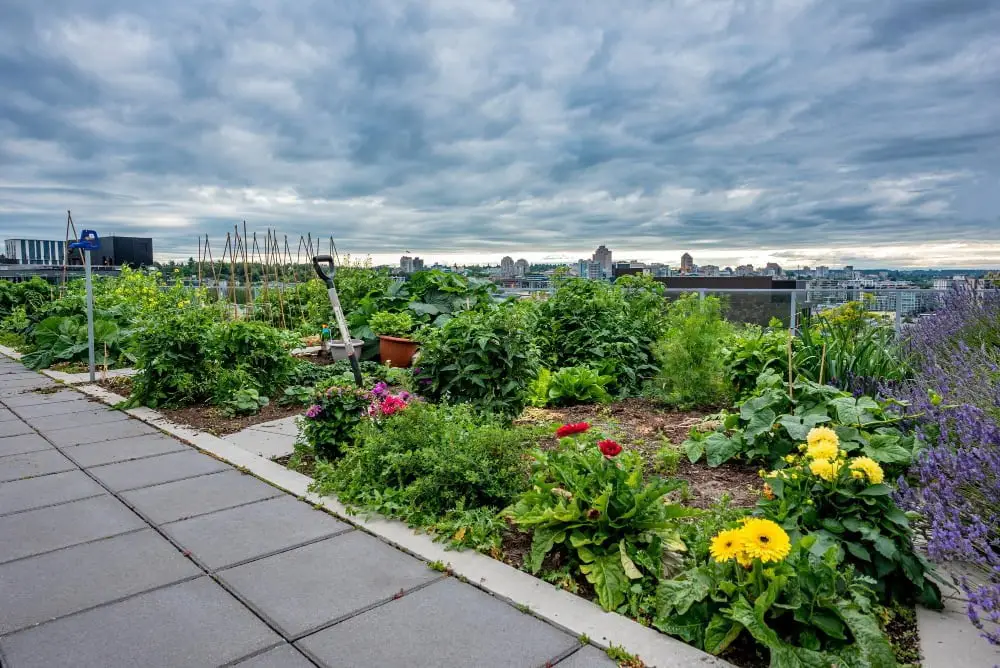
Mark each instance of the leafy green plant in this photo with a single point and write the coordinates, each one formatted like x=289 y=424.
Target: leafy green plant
x=668 y=458
x=850 y=355
x=385 y=323
x=750 y=351
x=804 y=608
x=487 y=358
x=590 y=500
x=329 y=424
x=255 y=345
x=175 y=368
x=577 y=385
x=65 y=339
x=244 y=401
x=772 y=424
x=690 y=354
x=538 y=391
x=427 y=462
x=296 y=395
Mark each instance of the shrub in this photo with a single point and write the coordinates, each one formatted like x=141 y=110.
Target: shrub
x=254 y=345
x=857 y=357
x=843 y=503
x=65 y=339
x=385 y=323
x=328 y=426
x=487 y=358
x=589 y=500
x=690 y=353
x=427 y=461
x=174 y=367
x=751 y=351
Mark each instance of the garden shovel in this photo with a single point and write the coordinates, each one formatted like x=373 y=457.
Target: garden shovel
x=331 y=289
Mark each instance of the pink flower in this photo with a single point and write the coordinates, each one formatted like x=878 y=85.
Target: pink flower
x=314 y=411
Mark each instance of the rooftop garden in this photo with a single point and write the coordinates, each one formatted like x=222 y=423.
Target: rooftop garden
x=758 y=493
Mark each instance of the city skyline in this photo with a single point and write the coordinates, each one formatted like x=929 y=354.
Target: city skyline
x=840 y=133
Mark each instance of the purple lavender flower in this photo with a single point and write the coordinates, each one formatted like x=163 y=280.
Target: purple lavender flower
x=314 y=411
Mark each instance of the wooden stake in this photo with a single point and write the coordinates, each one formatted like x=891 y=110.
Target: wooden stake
x=822 y=363
x=791 y=393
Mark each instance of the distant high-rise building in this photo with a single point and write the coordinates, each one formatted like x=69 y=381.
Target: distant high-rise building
x=521 y=267
x=406 y=264
x=687 y=263
x=589 y=269
x=507 y=266
x=744 y=270
x=602 y=256
x=418 y=264
x=772 y=269
x=709 y=270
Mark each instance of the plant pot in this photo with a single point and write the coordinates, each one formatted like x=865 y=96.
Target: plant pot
x=338 y=351
x=397 y=352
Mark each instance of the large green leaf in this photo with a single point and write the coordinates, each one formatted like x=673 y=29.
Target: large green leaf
x=609 y=579
x=857 y=412
x=720 y=634
x=868 y=637
x=783 y=655
x=798 y=426
x=760 y=423
x=675 y=597
x=542 y=542
x=720 y=448
x=886 y=449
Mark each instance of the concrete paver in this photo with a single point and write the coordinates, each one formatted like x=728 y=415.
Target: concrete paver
x=40 y=398
x=32 y=464
x=182 y=499
x=57 y=409
x=284 y=656
x=45 y=529
x=949 y=640
x=76 y=435
x=47 y=423
x=14 y=428
x=67 y=581
x=264 y=443
x=15 y=445
x=47 y=490
x=436 y=624
x=587 y=657
x=123 y=449
x=189 y=625
x=155 y=470
x=298 y=592
x=233 y=536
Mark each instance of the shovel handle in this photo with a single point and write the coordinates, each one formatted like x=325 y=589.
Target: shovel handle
x=318 y=262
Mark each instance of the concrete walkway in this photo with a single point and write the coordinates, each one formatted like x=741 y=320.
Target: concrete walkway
x=120 y=546
x=268 y=439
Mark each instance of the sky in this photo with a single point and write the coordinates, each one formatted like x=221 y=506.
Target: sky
x=861 y=132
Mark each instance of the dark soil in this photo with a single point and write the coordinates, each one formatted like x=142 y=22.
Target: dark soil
x=118 y=384
x=643 y=426
x=306 y=464
x=746 y=653
x=317 y=359
x=901 y=628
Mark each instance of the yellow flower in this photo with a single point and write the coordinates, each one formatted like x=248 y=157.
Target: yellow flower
x=790 y=459
x=869 y=467
x=765 y=540
x=744 y=560
x=727 y=545
x=821 y=434
x=825 y=469
x=858 y=475
x=762 y=473
x=822 y=450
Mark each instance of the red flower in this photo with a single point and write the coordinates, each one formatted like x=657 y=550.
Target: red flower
x=609 y=448
x=572 y=428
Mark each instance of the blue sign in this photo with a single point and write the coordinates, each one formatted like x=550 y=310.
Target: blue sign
x=88 y=241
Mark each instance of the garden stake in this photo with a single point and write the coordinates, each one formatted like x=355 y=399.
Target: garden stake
x=338 y=313
x=791 y=394
x=88 y=242
x=822 y=363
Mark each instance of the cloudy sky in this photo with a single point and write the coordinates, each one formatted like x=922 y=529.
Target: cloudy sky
x=863 y=131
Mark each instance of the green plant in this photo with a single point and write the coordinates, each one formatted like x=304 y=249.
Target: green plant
x=172 y=357
x=591 y=502
x=329 y=424
x=487 y=358
x=426 y=462
x=65 y=339
x=577 y=385
x=244 y=401
x=668 y=458
x=750 y=351
x=254 y=345
x=296 y=395
x=851 y=355
x=804 y=608
x=385 y=323
x=844 y=503
x=771 y=424
x=538 y=391
x=690 y=354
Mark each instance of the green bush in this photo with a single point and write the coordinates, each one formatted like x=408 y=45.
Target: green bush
x=751 y=351
x=690 y=354
x=254 y=345
x=589 y=501
x=426 y=462
x=487 y=358
x=385 y=323
x=65 y=339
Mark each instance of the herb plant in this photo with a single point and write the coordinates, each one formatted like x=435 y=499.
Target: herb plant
x=385 y=323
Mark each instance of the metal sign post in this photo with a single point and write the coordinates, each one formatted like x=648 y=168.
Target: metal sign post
x=88 y=242
x=338 y=313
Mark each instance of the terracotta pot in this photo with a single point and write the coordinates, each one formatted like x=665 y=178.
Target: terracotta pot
x=397 y=352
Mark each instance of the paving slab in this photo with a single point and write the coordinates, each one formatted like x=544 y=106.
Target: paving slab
x=182 y=499
x=32 y=464
x=588 y=657
x=264 y=443
x=15 y=445
x=72 y=435
x=289 y=426
x=58 y=409
x=312 y=586
x=44 y=529
x=123 y=449
x=189 y=625
x=284 y=656
x=76 y=420
x=14 y=428
x=5 y=415
x=230 y=537
x=172 y=466
x=47 y=490
x=36 y=398
x=949 y=640
x=445 y=624
x=60 y=583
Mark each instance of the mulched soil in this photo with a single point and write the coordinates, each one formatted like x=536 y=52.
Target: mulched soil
x=643 y=426
x=208 y=418
x=902 y=632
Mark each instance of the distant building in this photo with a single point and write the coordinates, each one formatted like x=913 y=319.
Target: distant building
x=744 y=270
x=772 y=269
x=709 y=270
x=590 y=269
x=35 y=251
x=602 y=256
x=507 y=266
x=418 y=264
x=687 y=263
x=406 y=264
x=521 y=267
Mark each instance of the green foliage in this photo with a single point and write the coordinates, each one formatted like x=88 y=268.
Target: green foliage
x=330 y=429
x=487 y=358
x=65 y=339
x=253 y=345
x=30 y=295
x=385 y=323
x=849 y=354
x=771 y=424
x=427 y=462
x=668 y=458
x=608 y=328
x=574 y=385
x=751 y=351
x=806 y=610
x=690 y=354
x=244 y=401
x=617 y=530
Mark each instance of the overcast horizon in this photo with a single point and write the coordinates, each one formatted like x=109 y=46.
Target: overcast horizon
x=794 y=131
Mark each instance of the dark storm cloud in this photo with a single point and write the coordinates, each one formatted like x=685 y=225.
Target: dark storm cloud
x=496 y=126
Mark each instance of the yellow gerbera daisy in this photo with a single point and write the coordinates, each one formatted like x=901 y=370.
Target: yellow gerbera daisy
x=869 y=467
x=820 y=434
x=765 y=540
x=727 y=545
x=825 y=469
x=822 y=450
